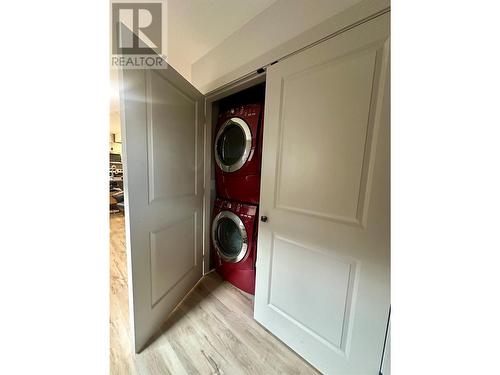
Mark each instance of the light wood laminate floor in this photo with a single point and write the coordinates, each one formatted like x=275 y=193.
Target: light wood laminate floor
x=211 y=332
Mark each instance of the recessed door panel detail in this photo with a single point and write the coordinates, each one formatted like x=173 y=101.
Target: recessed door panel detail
x=175 y=244
x=172 y=134
x=319 y=290
x=324 y=123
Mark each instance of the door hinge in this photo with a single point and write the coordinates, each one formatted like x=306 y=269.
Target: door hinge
x=263 y=69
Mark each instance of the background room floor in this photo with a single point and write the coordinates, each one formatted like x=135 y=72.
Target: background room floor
x=211 y=332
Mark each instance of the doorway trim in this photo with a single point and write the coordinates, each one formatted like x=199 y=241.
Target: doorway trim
x=243 y=83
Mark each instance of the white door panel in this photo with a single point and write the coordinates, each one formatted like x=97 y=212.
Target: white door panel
x=323 y=256
x=162 y=125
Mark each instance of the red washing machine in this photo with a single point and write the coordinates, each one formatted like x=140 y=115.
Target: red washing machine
x=238 y=153
x=234 y=242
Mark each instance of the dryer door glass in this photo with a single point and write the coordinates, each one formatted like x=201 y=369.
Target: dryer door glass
x=232 y=145
x=229 y=237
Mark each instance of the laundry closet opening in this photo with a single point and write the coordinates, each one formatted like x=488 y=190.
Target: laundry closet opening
x=235 y=140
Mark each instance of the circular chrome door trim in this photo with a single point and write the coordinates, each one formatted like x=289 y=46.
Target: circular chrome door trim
x=248 y=144
x=243 y=233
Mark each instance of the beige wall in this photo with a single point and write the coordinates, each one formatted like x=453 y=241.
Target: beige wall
x=282 y=21
x=114 y=128
x=197 y=26
x=114 y=112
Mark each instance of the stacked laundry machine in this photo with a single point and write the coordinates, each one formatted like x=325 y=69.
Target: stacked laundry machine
x=237 y=151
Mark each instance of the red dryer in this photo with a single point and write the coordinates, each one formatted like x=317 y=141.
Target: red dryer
x=234 y=242
x=238 y=151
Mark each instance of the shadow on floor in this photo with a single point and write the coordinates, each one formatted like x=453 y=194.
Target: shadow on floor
x=203 y=289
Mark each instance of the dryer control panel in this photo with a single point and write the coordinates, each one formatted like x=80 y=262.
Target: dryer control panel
x=244 y=111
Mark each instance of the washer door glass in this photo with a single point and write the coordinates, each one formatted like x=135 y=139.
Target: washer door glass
x=229 y=239
x=232 y=144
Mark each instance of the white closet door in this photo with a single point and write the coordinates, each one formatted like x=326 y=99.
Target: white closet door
x=162 y=130
x=323 y=267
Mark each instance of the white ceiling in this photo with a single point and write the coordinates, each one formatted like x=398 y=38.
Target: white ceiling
x=197 y=26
